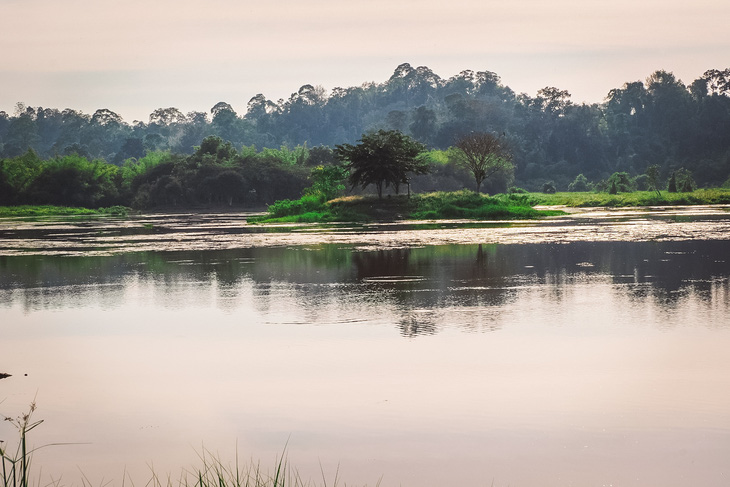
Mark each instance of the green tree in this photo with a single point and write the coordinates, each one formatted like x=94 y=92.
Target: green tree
x=619 y=182
x=327 y=181
x=672 y=183
x=382 y=158
x=484 y=155
x=652 y=176
x=685 y=181
x=580 y=183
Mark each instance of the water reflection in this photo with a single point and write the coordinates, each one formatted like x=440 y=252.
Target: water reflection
x=595 y=363
x=342 y=284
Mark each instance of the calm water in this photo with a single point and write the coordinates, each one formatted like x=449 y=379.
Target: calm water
x=587 y=350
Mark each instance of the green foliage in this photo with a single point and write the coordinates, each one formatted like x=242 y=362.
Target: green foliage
x=580 y=183
x=636 y=198
x=382 y=158
x=685 y=183
x=132 y=168
x=549 y=187
x=652 y=176
x=439 y=205
x=436 y=156
x=619 y=182
x=657 y=122
x=292 y=157
x=672 y=183
x=327 y=181
x=305 y=204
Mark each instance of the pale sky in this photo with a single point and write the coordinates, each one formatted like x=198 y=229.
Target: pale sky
x=133 y=56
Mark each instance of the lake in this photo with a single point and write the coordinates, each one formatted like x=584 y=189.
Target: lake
x=584 y=350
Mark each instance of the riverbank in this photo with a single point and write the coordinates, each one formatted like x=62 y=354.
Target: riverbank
x=463 y=204
x=711 y=196
x=51 y=210
x=466 y=205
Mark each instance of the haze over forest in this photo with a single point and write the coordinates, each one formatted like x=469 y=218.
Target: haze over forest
x=658 y=121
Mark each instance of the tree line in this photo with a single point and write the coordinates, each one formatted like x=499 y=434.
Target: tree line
x=218 y=174
x=656 y=122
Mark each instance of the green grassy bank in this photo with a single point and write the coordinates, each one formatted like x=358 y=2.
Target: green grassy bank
x=429 y=206
x=49 y=210
x=713 y=196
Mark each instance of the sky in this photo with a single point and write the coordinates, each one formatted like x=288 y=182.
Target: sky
x=133 y=56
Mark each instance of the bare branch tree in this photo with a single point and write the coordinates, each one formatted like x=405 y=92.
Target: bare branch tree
x=484 y=155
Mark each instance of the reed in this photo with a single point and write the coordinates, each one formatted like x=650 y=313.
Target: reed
x=211 y=471
x=16 y=464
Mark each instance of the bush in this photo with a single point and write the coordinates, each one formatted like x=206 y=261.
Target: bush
x=580 y=183
x=549 y=187
x=305 y=204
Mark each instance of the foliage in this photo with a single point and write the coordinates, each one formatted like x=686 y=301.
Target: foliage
x=549 y=187
x=382 y=158
x=636 y=198
x=439 y=205
x=327 y=181
x=305 y=204
x=580 y=183
x=659 y=121
x=681 y=181
x=47 y=210
x=619 y=182
x=652 y=175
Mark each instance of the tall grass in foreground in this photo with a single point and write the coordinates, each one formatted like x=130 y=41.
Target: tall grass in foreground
x=210 y=472
x=16 y=465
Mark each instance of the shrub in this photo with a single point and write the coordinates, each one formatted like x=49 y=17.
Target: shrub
x=549 y=187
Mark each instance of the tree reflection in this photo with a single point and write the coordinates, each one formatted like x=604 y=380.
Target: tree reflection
x=418 y=290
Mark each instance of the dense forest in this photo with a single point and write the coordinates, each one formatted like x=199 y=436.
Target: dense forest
x=230 y=157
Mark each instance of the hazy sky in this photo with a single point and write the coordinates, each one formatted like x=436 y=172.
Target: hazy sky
x=133 y=56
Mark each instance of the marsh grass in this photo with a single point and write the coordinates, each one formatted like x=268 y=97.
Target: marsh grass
x=16 y=464
x=210 y=471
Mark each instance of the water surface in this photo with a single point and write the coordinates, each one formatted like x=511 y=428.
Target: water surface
x=584 y=350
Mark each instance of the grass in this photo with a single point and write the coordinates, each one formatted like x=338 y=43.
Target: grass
x=16 y=465
x=430 y=206
x=211 y=472
x=49 y=210
x=713 y=196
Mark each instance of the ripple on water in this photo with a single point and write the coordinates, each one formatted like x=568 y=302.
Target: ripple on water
x=212 y=232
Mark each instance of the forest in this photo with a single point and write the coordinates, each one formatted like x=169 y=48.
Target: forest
x=272 y=151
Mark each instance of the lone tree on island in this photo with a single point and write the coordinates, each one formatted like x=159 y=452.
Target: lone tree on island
x=382 y=158
x=484 y=155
